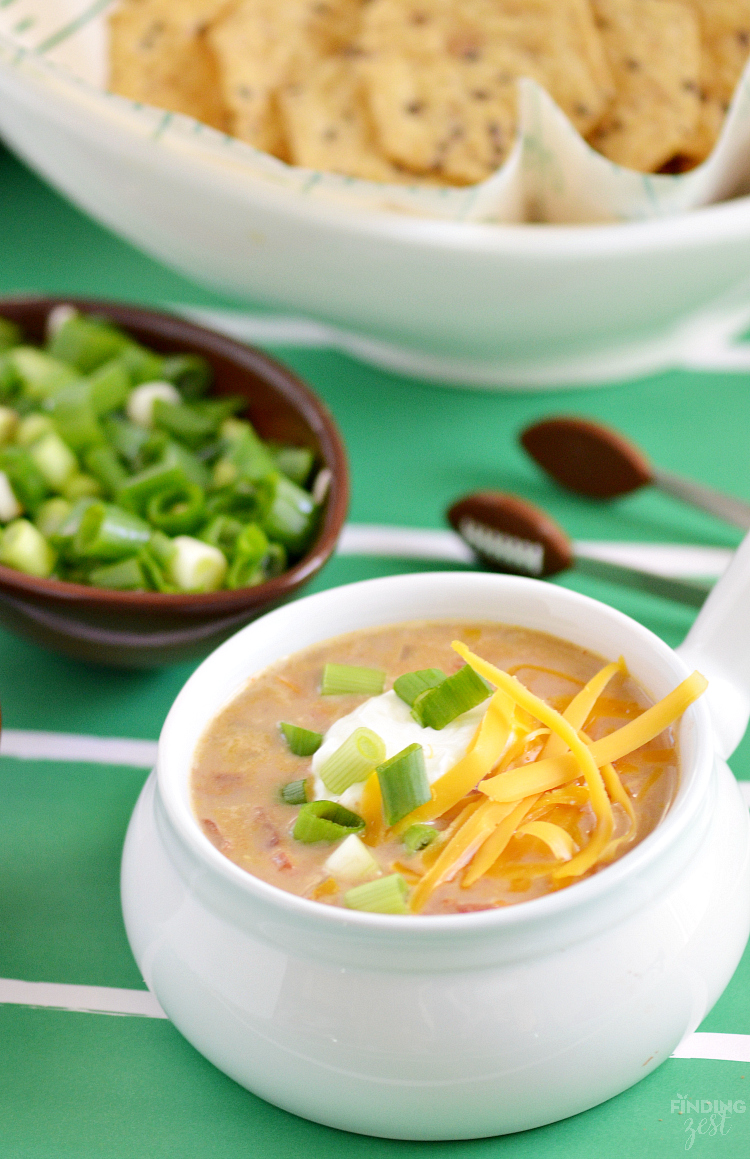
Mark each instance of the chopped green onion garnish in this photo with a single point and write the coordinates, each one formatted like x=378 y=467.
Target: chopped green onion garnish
x=294 y=792
x=54 y=459
x=108 y=533
x=339 y=679
x=325 y=821
x=387 y=895
x=195 y=566
x=302 y=741
x=352 y=761
x=23 y=547
x=10 y=334
x=294 y=462
x=52 y=515
x=412 y=684
x=125 y=576
x=403 y=783
x=419 y=837
x=456 y=695
x=351 y=860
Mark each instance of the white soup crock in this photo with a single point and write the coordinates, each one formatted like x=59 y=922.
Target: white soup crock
x=466 y=1025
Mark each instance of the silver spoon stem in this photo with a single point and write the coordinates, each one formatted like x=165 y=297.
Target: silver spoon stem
x=724 y=506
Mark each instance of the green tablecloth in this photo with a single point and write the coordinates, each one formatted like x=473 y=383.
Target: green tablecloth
x=88 y=1085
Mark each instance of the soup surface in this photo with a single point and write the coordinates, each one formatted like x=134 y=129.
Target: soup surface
x=244 y=760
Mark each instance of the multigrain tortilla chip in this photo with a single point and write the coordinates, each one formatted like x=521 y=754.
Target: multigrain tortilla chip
x=725 y=35
x=159 y=56
x=654 y=52
x=442 y=76
x=328 y=123
x=263 y=45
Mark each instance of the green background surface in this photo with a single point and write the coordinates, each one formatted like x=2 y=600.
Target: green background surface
x=93 y=1085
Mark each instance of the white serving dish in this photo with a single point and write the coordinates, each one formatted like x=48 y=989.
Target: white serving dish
x=474 y=1024
x=457 y=302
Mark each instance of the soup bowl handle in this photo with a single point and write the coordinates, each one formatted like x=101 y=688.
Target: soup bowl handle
x=718 y=644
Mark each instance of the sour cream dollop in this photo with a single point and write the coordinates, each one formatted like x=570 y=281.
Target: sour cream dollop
x=390 y=717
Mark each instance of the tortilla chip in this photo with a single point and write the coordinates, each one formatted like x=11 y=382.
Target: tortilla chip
x=261 y=45
x=725 y=34
x=328 y=123
x=159 y=56
x=653 y=49
x=441 y=76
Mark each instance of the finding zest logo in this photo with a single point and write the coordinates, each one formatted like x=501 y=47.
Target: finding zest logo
x=712 y=1114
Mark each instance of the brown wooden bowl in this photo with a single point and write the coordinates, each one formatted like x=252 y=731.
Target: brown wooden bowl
x=146 y=629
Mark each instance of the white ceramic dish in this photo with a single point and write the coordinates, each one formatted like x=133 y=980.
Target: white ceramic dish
x=467 y=1025
x=461 y=303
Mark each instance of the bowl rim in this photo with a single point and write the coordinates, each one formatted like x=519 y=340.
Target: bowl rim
x=721 y=220
x=689 y=798
x=313 y=411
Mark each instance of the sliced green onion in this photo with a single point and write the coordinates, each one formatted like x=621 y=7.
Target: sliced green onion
x=10 y=508
x=86 y=343
x=387 y=895
x=142 y=401
x=141 y=364
x=340 y=679
x=8 y=424
x=153 y=570
x=52 y=515
x=294 y=792
x=191 y=374
x=175 y=455
x=74 y=417
x=413 y=684
x=109 y=387
x=250 y=549
x=294 y=462
x=303 y=742
x=403 y=783
x=104 y=464
x=352 y=761
x=177 y=510
x=136 y=493
x=292 y=515
x=10 y=334
x=454 y=696
x=79 y=485
x=108 y=533
x=222 y=532
x=351 y=860
x=23 y=547
x=54 y=459
x=275 y=561
x=40 y=375
x=185 y=421
x=126 y=576
x=419 y=837
x=125 y=437
x=11 y=384
x=162 y=548
x=325 y=821
x=64 y=537
x=32 y=428
x=250 y=456
x=196 y=566
x=28 y=483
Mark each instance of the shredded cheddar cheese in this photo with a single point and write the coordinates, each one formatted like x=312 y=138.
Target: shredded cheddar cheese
x=557 y=839
x=580 y=752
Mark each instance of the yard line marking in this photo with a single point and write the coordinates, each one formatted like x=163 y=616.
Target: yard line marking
x=68 y=746
x=719 y=1047
x=143 y=1004
x=82 y=999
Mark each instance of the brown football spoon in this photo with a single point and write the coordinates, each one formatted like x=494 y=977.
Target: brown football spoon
x=510 y=535
x=592 y=459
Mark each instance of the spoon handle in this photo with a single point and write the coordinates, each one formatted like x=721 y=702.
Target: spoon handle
x=692 y=593
x=724 y=506
x=718 y=644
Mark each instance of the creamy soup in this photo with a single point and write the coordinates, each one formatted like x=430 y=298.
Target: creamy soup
x=494 y=806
